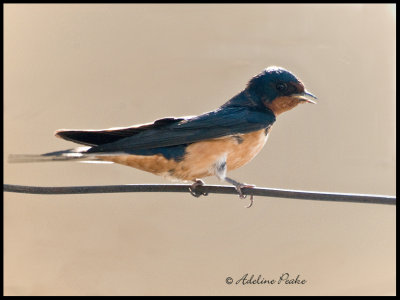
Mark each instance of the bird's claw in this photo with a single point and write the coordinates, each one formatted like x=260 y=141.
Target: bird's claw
x=241 y=195
x=193 y=187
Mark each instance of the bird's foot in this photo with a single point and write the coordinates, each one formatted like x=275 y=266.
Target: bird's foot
x=241 y=195
x=239 y=187
x=193 y=187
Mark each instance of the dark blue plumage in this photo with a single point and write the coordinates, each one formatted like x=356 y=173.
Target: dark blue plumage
x=190 y=148
x=215 y=124
x=246 y=112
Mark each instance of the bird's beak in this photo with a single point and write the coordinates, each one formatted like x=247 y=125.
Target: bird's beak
x=306 y=96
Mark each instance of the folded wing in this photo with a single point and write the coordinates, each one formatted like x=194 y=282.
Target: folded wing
x=172 y=131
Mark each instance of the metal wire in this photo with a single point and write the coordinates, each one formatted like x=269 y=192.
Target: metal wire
x=217 y=189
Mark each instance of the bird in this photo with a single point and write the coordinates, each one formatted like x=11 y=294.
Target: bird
x=191 y=148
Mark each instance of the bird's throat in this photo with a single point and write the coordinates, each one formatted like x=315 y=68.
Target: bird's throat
x=282 y=104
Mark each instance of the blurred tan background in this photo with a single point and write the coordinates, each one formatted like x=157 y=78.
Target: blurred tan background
x=99 y=66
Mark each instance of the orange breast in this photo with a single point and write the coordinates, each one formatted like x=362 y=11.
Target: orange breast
x=200 y=158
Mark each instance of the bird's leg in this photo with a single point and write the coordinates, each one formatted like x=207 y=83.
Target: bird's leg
x=239 y=187
x=193 y=187
x=220 y=169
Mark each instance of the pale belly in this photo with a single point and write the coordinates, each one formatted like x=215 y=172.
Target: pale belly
x=238 y=151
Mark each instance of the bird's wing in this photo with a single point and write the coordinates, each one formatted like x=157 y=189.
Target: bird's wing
x=171 y=131
x=104 y=136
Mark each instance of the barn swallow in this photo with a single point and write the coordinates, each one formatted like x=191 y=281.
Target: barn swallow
x=194 y=147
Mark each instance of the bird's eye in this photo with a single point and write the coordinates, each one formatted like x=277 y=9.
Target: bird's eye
x=281 y=86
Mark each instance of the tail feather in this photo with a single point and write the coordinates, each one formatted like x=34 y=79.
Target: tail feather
x=77 y=154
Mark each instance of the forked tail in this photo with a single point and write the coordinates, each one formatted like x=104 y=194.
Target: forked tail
x=77 y=154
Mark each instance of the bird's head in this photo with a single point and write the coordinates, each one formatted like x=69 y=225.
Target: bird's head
x=279 y=90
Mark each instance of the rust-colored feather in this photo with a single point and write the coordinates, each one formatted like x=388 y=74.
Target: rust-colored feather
x=200 y=158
